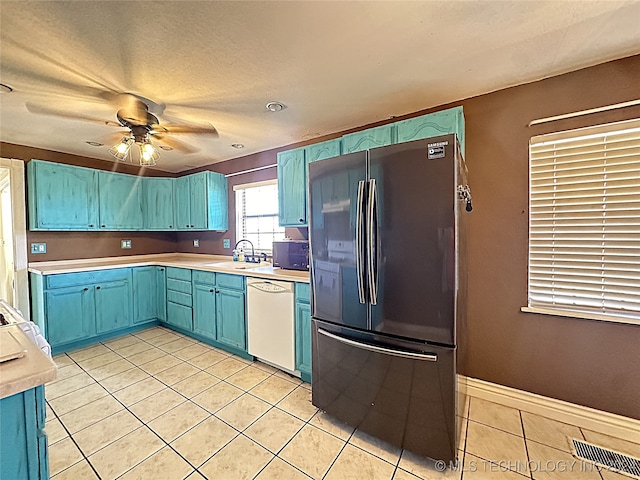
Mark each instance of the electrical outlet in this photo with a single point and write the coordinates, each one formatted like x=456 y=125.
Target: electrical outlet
x=226 y=243
x=125 y=243
x=38 y=248
x=196 y=243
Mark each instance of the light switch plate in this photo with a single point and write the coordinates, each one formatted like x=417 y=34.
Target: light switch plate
x=226 y=243
x=38 y=248
x=196 y=243
x=125 y=243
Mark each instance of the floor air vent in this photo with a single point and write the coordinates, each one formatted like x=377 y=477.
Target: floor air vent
x=606 y=458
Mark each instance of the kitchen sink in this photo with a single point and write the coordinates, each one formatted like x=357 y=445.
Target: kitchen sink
x=238 y=265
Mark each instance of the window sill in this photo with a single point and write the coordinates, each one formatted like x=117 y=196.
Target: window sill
x=581 y=315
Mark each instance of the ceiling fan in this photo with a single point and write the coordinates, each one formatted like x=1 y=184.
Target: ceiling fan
x=135 y=114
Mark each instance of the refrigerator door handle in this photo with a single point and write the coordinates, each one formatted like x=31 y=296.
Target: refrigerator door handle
x=359 y=242
x=372 y=250
x=429 y=357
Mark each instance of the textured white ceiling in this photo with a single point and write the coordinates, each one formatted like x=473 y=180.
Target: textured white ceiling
x=336 y=65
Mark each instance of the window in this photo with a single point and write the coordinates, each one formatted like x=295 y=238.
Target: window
x=584 y=223
x=257 y=215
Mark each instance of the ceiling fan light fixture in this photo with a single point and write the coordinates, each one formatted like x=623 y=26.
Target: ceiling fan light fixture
x=148 y=154
x=121 y=149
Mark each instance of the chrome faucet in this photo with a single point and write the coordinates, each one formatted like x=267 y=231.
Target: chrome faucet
x=253 y=258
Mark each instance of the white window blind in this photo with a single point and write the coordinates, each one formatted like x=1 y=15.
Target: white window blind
x=584 y=221
x=257 y=215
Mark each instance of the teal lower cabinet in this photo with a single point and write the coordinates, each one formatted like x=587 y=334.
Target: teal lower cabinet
x=113 y=306
x=303 y=331
x=231 y=318
x=77 y=309
x=204 y=304
x=23 y=442
x=179 y=298
x=149 y=294
x=69 y=314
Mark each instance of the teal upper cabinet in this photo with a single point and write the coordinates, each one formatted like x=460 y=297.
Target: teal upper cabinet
x=433 y=124
x=158 y=203
x=292 y=188
x=62 y=197
x=182 y=203
x=322 y=150
x=201 y=202
x=370 y=138
x=120 y=201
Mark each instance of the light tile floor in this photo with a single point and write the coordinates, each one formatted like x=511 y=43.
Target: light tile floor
x=158 y=405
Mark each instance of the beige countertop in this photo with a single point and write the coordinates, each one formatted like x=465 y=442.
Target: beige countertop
x=21 y=374
x=213 y=263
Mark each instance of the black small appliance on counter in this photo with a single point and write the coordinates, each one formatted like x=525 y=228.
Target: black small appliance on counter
x=291 y=254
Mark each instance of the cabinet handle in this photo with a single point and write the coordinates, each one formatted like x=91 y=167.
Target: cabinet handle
x=102 y=226
x=187 y=225
x=162 y=269
x=91 y=225
x=170 y=226
x=217 y=291
x=98 y=287
x=86 y=289
x=211 y=290
x=301 y=220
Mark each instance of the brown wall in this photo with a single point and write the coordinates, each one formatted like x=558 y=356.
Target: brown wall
x=587 y=362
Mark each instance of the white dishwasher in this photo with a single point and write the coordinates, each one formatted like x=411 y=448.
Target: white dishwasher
x=270 y=327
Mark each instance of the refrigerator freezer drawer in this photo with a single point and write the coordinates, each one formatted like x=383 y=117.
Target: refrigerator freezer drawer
x=394 y=391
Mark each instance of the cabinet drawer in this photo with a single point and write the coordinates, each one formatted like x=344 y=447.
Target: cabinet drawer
x=303 y=292
x=86 y=278
x=179 y=316
x=235 y=282
x=206 y=278
x=179 y=273
x=181 y=298
x=178 y=285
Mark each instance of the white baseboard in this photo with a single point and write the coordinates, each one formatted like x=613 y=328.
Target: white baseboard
x=589 y=418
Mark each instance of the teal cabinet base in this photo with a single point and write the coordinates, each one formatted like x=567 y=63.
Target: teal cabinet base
x=23 y=443
x=305 y=376
x=67 y=347
x=222 y=346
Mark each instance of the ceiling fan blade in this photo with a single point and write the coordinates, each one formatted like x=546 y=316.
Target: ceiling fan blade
x=174 y=144
x=177 y=129
x=40 y=110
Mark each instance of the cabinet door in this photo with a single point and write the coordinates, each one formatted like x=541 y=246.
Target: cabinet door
x=113 y=306
x=145 y=294
x=230 y=320
x=204 y=310
x=367 y=139
x=120 y=201
x=322 y=150
x=292 y=188
x=199 y=201
x=62 y=197
x=161 y=285
x=70 y=314
x=182 y=194
x=303 y=338
x=20 y=439
x=433 y=124
x=157 y=204
x=217 y=202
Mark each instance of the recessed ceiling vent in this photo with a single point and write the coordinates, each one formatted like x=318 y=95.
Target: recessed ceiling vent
x=608 y=459
x=275 y=106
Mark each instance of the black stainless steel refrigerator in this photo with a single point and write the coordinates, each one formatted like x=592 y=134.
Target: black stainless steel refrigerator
x=388 y=289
